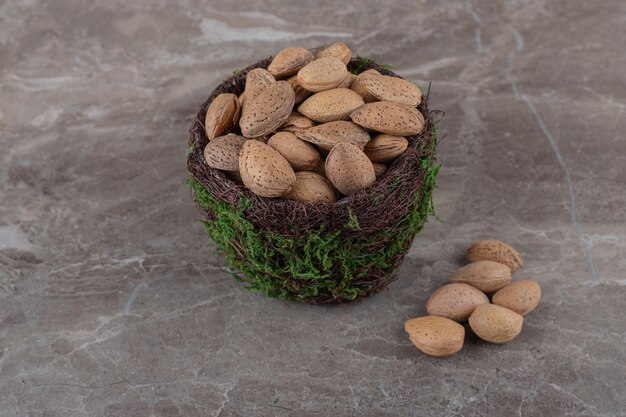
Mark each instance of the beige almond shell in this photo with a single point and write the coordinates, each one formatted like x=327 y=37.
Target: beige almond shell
x=301 y=93
x=487 y=276
x=289 y=61
x=495 y=324
x=268 y=111
x=296 y=122
x=385 y=148
x=435 y=336
x=322 y=74
x=223 y=152
x=327 y=135
x=331 y=105
x=339 y=50
x=359 y=89
x=222 y=115
x=257 y=80
x=349 y=169
x=263 y=170
x=379 y=169
x=521 y=296
x=389 y=117
x=497 y=251
x=347 y=82
x=311 y=187
x=301 y=155
x=387 y=88
x=455 y=301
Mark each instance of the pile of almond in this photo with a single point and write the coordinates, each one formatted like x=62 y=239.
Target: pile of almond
x=498 y=321
x=310 y=129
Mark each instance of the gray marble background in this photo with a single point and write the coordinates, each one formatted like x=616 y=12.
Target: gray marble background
x=111 y=304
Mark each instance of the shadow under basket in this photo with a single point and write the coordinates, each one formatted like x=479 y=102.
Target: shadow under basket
x=316 y=252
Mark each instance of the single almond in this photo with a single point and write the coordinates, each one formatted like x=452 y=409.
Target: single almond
x=301 y=93
x=455 y=301
x=339 y=50
x=379 y=169
x=497 y=251
x=322 y=74
x=435 y=336
x=347 y=82
x=301 y=155
x=487 y=276
x=289 y=61
x=349 y=169
x=296 y=122
x=268 y=111
x=521 y=296
x=222 y=115
x=327 y=135
x=495 y=324
x=223 y=152
x=263 y=170
x=257 y=80
x=387 y=88
x=389 y=117
x=359 y=89
x=331 y=105
x=311 y=187
x=385 y=148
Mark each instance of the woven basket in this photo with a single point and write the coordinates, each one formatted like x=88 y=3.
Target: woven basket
x=316 y=252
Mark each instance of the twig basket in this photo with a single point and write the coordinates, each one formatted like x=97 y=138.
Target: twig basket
x=316 y=252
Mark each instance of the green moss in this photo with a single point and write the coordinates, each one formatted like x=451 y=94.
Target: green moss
x=359 y=64
x=321 y=263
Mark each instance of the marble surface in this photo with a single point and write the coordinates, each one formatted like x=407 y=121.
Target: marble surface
x=111 y=303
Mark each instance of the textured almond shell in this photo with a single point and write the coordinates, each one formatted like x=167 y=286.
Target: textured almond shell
x=223 y=152
x=360 y=90
x=487 y=276
x=455 y=301
x=339 y=50
x=521 y=296
x=385 y=148
x=301 y=93
x=497 y=251
x=268 y=111
x=389 y=117
x=349 y=169
x=257 y=80
x=327 y=135
x=295 y=122
x=222 y=115
x=310 y=187
x=331 y=105
x=386 y=88
x=495 y=324
x=379 y=169
x=347 y=82
x=301 y=155
x=289 y=61
x=435 y=336
x=263 y=170
x=322 y=74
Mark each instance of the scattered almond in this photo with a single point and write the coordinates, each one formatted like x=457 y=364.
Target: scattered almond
x=521 y=296
x=327 y=135
x=223 y=152
x=301 y=155
x=268 y=111
x=349 y=169
x=257 y=80
x=296 y=122
x=301 y=93
x=385 y=148
x=331 y=105
x=310 y=186
x=379 y=169
x=347 y=82
x=360 y=90
x=289 y=61
x=495 y=324
x=455 y=301
x=487 y=276
x=435 y=336
x=497 y=251
x=388 y=117
x=322 y=74
x=263 y=170
x=387 y=88
x=339 y=50
x=222 y=115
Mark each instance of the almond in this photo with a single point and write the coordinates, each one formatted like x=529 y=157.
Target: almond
x=327 y=135
x=389 y=117
x=263 y=170
x=435 y=336
x=222 y=115
x=347 y=82
x=268 y=111
x=497 y=251
x=289 y=61
x=349 y=169
x=301 y=155
x=310 y=186
x=322 y=74
x=331 y=105
x=301 y=93
x=487 y=276
x=379 y=169
x=338 y=50
x=296 y=122
x=385 y=148
x=495 y=324
x=455 y=301
x=257 y=80
x=223 y=152
x=521 y=296
x=386 y=88
x=360 y=90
